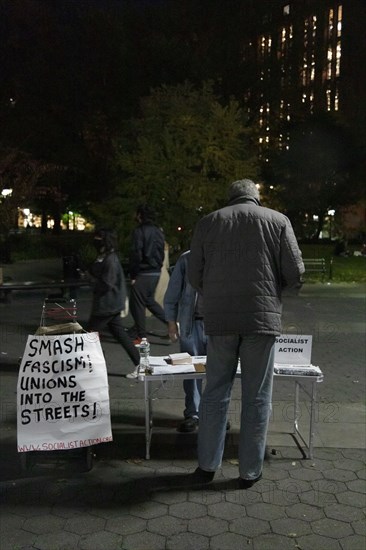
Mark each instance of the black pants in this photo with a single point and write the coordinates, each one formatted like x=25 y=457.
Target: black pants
x=115 y=326
x=141 y=297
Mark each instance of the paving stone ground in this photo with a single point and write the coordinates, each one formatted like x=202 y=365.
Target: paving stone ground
x=128 y=503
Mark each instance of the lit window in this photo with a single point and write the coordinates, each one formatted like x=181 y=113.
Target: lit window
x=286 y=9
x=338 y=59
x=330 y=21
x=329 y=64
x=339 y=24
x=329 y=100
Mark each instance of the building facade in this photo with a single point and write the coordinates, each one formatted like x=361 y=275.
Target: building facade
x=303 y=58
x=308 y=56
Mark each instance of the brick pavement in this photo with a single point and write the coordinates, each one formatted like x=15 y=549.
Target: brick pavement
x=126 y=502
x=131 y=504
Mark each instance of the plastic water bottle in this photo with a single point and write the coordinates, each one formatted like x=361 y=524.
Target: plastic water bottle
x=144 y=355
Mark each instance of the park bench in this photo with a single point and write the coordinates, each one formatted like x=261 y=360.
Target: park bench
x=312 y=265
x=315 y=265
x=8 y=287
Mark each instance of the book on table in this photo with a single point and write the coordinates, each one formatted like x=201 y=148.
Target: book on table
x=180 y=358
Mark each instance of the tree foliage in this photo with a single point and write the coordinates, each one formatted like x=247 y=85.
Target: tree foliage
x=63 y=79
x=180 y=154
x=33 y=183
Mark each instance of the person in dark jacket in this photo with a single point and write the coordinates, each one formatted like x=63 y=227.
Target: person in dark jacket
x=146 y=260
x=109 y=293
x=242 y=256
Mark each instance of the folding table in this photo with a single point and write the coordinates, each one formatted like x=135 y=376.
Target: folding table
x=307 y=383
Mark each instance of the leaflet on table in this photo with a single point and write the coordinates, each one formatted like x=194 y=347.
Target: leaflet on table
x=297 y=370
x=157 y=361
x=171 y=369
x=159 y=365
x=161 y=361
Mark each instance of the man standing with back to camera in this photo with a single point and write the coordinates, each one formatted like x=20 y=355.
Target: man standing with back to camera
x=242 y=256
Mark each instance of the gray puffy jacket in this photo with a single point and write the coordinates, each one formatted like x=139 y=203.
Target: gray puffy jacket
x=242 y=256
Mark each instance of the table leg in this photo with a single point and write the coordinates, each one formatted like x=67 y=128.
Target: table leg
x=296 y=408
x=312 y=417
x=148 y=418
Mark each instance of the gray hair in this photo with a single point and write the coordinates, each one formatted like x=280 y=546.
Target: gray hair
x=243 y=188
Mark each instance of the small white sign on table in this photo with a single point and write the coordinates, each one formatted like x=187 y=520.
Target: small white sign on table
x=62 y=393
x=293 y=349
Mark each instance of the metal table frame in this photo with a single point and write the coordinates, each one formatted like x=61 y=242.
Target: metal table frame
x=301 y=382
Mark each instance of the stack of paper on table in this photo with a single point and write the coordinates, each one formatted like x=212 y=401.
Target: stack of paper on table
x=290 y=370
x=180 y=358
x=160 y=365
x=299 y=370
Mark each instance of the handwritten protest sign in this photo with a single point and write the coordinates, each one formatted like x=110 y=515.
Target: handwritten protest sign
x=293 y=349
x=62 y=393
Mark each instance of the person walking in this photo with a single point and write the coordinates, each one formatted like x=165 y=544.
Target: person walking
x=241 y=258
x=183 y=305
x=109 y=293
x=146 y=260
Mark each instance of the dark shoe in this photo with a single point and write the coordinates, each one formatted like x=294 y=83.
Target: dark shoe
x=202 y=476
x=188 y=425
x=247 y=483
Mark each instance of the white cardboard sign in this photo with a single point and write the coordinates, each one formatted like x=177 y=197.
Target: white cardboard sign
x=62 y=393
x=293 y=349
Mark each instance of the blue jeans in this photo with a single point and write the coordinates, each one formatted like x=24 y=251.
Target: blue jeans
x=256 y=352
x=194 y=344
